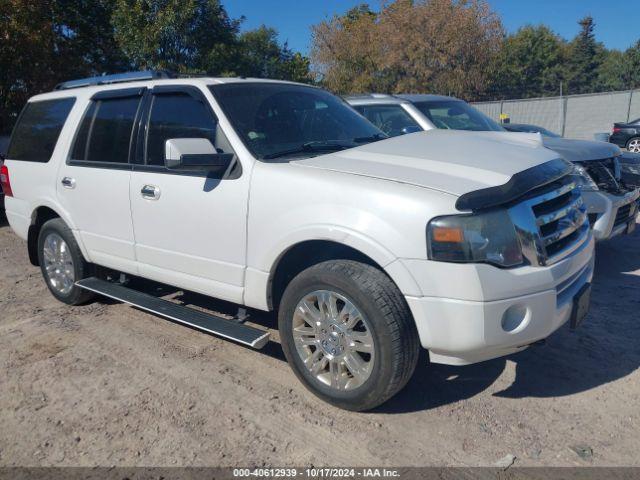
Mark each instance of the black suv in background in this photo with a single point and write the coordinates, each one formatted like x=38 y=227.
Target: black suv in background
x=627 y=135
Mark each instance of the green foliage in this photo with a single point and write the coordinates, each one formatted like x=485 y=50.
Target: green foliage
x=534 y=62
x=586 y=56
x=529 y=64
x=178 y=35
x=632 y=63
x=44 y=42
x=613 y=73
x=261 y=55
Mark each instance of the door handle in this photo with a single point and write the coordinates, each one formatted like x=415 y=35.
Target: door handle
x=68 y=182
x=150 y=192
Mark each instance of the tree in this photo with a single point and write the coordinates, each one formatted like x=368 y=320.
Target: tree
x=530 y=64
x=261 y=55
x=586 y=56
x=178 y=35
x=613 y=73
x=345 y=51
x=410 y=45
x=46 y=42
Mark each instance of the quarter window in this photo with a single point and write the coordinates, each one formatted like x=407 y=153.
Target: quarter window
x=36 y=133
x=177 y=115
x=105 y=132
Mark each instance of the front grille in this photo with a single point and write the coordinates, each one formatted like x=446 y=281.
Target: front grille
x=623 y=215
x=559 y=224
x=603 y=173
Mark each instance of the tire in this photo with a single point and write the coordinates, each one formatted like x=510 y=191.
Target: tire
x=381 y=323
x=62 y=263
x=633 y=145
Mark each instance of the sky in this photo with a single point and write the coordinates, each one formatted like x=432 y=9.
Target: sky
x=293 y=18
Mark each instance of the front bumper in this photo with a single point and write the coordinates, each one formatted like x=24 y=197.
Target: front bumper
x=459 y=331
x=607 y=213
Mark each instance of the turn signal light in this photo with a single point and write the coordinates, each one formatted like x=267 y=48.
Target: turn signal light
x=448 y=235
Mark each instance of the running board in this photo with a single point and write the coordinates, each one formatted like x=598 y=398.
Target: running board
x=206 y=322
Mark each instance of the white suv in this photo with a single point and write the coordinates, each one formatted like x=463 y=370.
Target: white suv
x=279 y=196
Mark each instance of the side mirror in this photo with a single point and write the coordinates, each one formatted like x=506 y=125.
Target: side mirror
x=411 y=129
x=196 y=155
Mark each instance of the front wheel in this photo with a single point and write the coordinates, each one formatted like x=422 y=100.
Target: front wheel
x=633 y=145
x=347 y=333
x=62 y=263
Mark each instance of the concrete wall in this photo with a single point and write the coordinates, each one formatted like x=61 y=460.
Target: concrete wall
x=574 y=116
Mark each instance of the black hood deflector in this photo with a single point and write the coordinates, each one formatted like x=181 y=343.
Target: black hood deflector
x=519 y=185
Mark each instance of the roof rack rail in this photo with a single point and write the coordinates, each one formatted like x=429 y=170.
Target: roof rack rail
x=369 y=95
x=115 y=78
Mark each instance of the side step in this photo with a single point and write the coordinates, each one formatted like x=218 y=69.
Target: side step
x=214 y=324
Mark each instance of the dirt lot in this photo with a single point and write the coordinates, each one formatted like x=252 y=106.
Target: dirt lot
x=106 y=384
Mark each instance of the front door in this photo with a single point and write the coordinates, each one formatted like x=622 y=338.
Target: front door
x=93 y=184
x=190 y=227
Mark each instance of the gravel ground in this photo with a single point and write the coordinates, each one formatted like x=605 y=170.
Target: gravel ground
x=107 y=384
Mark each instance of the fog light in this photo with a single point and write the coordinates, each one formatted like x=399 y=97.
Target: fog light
x=515 y=317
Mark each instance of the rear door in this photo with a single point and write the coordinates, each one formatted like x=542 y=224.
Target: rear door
x=93 y=184
x=190 y=227
x=37 y=139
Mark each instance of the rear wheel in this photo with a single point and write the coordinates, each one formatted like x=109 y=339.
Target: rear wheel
x=62 y=263
x=348 y=334
x=633 y=145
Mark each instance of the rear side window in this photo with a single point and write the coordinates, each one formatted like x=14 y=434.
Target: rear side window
x=38 y=128
x=177 y=115
x=105 y=132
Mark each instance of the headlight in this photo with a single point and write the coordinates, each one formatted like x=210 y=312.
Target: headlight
x=483 y=238
x=583 y=179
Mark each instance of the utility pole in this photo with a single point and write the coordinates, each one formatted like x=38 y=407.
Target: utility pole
x=563 y=110
x=560 y=118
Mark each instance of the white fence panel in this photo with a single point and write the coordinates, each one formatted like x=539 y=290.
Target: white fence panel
x=581 y=116
x=634 y=111
x=490 y=109
x=591 y=114
x=544 y=112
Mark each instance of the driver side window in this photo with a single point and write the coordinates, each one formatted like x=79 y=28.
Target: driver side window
x=180 y=115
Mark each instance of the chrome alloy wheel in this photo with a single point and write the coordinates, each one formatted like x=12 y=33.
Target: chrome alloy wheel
x=333 y=340
x=634 y=145
x=58 y=264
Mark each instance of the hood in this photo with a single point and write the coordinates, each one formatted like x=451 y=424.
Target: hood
x=581 y=150
x=451 y=161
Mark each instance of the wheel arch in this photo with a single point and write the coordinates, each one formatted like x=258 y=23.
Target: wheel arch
x=306 y=253
x=39 y=216
x=633 y=137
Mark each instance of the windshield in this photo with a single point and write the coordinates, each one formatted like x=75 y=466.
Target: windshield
x=278 y=119
x=457 y=115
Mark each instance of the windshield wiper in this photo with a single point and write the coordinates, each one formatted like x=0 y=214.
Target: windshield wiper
x=372 y=138
x=311 y=147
